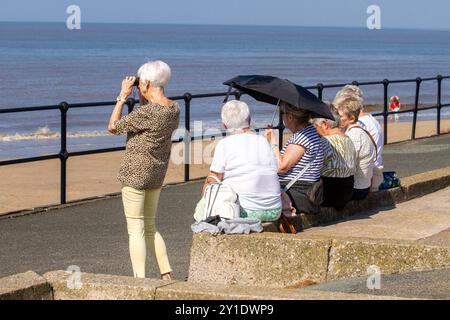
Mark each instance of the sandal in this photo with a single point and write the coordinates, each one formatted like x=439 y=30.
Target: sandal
x=282 y=221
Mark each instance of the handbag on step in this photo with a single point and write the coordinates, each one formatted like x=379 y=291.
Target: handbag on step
x=220 y=200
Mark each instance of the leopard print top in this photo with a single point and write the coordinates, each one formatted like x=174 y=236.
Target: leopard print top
x=149 y=131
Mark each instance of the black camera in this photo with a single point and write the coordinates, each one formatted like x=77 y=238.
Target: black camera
x=136 y=82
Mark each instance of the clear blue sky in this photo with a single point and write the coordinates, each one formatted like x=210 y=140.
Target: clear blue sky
x=412 y=14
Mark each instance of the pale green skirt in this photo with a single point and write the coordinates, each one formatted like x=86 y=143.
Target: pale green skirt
x=263 y=215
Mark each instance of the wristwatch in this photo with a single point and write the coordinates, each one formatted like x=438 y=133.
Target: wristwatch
x=122 y=99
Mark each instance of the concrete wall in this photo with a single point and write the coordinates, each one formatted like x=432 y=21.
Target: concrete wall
x=280 y=260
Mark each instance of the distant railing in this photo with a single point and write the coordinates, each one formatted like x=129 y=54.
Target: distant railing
x=64 y=107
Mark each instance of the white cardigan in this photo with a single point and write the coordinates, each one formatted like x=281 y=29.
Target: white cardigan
x=365 y=156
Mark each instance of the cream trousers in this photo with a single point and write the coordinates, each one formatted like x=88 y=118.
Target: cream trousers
x=140 y=211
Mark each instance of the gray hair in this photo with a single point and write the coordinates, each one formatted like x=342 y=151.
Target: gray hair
x=335 y=123
x=350 y=90
x=236 y=115
x=157 y=72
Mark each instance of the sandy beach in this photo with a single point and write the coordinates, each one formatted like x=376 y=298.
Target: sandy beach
x=36 y=184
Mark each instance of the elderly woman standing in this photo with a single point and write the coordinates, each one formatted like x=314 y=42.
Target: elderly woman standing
x=349 y=108
x=339 y=162
x=302 y=149
x=149 y=131
x=245 y=161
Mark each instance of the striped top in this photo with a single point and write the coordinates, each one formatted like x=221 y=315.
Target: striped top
x=339 y=160
x=310 y=140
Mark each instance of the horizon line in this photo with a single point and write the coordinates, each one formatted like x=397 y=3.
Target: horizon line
x=235 y=25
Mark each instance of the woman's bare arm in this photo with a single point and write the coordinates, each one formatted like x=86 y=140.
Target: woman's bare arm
x=127 y=88
x=209 y=181
x=116 y=115
x=290 y=158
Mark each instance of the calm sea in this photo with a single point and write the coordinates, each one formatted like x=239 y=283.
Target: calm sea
x=45 y=63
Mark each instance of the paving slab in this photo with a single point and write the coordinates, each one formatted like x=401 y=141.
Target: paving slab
x=88 y=286
x=25 y=286
x=355 y=257
x=208 y=291
x=432 y=284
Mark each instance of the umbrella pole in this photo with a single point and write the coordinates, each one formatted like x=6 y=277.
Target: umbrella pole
x=276 y=111
x=228 y=94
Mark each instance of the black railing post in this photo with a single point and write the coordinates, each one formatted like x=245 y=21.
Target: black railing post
x=320 y=90
x=416 y=106
x=131 y=102
x=187 y=137
x=439 y=104
x=63 y=154
x=385 y=109
x=238 y=96
x=280 y=129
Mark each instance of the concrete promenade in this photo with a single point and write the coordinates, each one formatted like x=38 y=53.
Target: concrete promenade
x=425 y=219
x=93 y=236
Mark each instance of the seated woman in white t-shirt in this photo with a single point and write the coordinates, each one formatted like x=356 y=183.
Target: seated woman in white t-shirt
x=246 y=162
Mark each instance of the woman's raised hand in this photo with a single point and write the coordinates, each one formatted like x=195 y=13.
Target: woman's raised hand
x=270 y=136
x=127 y=86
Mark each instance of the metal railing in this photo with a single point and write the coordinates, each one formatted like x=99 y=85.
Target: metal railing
x=418 y=81
x=64 y=107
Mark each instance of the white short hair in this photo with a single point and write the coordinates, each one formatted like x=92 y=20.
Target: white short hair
x=236 y=115
x=350 y=90
x=157 y=72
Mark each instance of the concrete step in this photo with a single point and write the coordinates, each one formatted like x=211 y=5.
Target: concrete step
x=59 y=285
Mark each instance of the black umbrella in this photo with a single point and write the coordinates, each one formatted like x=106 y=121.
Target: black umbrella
x=273 y=90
